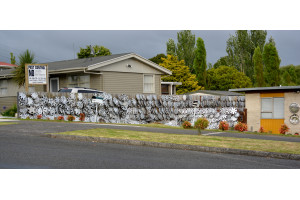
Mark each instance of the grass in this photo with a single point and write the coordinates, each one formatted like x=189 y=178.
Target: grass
x=209 y=141
x=7 y=123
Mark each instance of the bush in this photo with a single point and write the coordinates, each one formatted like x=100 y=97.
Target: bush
x=186 y=125
x=201 y=123
x=39 y=116
x=284 y=129
x=261 y=130
x=296 y=133
x=11 y=112
x=223 y=125
x=71 y=118
x=60 y=118
x=82 y=117
x=241 y=127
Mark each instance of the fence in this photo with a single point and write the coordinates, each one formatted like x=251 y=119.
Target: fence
x=133 y=109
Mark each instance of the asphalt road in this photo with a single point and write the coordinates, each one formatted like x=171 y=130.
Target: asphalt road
x=24 y=145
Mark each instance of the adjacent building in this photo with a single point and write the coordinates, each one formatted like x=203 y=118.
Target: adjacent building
x=270 y=107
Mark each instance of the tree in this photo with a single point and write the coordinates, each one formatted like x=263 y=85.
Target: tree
x=292 y=73
x=158 y=58
x=186 y=48
x=240 y=49
x=98 y=51
x=180 y=73
x=12 y=58
x=26 y=57
x=225 y=78
x=286 y=79
x=200 y=62
x=271 y=61
x=171 y=47
x=258 y=68
x=222 y=61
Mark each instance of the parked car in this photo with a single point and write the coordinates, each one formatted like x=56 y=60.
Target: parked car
x=79 y=90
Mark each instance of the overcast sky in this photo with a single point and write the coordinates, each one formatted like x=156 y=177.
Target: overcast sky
x=63 y=45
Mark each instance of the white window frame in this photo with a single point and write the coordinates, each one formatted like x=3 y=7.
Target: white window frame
x=272 y=111
x=153 y=90
x=55 y=78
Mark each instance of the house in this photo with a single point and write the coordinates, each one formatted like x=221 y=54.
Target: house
x=214 y=93
x=4 y=66
x=270 y=107
x=126 y=73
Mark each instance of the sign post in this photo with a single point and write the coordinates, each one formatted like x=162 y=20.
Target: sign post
x=36 y=74
x=97 y=100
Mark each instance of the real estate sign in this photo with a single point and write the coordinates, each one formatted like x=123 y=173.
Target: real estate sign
x=36 y=74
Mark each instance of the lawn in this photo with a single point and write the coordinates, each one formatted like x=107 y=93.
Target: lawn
x=7 y=123
x=209 y=141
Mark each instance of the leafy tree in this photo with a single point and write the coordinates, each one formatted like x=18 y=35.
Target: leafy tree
x=26 y=57
x=286 y=79
x=294 y=76
x=272 y=62
x=258 y=68
x=225 y=78
x=12 y=59
x=158 y=58
x=292 y=73
x=221 y=62
x=186 y=48
x=98 y=51
x=200 y=62
x=180 y=73
x=171 y=47
x=240 y=49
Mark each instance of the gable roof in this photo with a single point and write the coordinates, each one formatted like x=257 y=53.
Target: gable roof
x=4 y=64
x=92 y=63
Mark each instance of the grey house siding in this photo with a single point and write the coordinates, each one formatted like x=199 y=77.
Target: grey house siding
x=96 y=82
x=122 y=83
x=158 y=84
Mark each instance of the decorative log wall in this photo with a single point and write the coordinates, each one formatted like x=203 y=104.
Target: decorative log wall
x=138 y=109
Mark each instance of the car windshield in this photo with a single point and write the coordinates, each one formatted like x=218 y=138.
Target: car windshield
x=88 y=91
x=65 y=90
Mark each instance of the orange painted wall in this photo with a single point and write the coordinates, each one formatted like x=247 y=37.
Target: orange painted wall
x=271 y=124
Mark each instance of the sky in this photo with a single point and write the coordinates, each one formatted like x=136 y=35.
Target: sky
x=56 y=45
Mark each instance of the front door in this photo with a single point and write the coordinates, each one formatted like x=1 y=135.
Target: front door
x=54 y=84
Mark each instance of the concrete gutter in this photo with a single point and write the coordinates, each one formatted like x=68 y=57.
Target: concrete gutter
x=179 y=146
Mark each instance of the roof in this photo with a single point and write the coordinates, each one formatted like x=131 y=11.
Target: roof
x=172 y=83
x=215 y=93
x=4 y=64
x=92 y=63
x=264 y=89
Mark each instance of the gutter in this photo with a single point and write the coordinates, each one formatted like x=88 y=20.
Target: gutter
x=86 y=72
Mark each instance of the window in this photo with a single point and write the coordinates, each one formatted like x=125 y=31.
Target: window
x=3 y=87
x=272 y=108
x=149 y=84
x=79 y=81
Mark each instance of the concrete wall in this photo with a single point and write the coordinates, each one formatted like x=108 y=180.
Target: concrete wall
x=289 y=98
x=253 y=111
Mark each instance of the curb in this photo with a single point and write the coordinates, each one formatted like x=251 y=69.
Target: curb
x=178 y=146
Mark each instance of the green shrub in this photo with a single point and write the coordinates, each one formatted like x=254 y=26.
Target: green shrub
x=11 y=112
x=200 y=124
